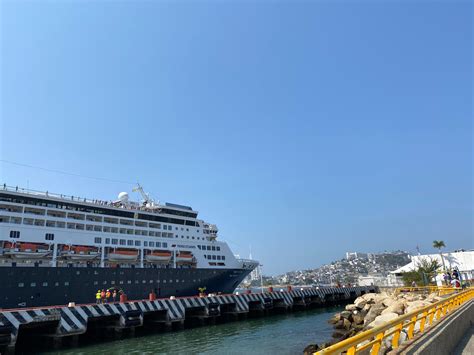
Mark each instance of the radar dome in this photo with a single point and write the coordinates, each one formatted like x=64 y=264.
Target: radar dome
x=123 y=197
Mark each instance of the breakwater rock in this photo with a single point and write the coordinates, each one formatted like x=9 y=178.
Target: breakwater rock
x=371 y=310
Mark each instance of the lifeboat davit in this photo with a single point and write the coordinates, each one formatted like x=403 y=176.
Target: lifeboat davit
x=184 y=257
x=123 y=255
x=80 y=252
x=27 y=250
x=158 y=256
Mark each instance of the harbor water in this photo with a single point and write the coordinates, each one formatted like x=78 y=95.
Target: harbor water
x=287 y=333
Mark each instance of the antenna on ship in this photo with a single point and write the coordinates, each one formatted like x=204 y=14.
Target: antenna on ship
x=147 y=200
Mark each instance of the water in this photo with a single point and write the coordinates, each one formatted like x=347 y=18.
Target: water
x=279 y=334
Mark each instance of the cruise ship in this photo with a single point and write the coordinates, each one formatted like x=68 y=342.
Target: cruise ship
x=56 y=249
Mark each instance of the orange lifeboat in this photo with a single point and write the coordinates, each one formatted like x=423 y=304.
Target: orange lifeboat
x=184 y=257
x=79 y=252
x=27 y=250
x=158 y=256
x=123 y=255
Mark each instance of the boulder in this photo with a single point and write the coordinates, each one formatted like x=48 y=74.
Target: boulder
x=340 y=324
x=351 y=307
x=412 y=306
x=369 y=297
x=433 y=298
x=382 y=319
x=374 y=311
x=336 y=318
x=360 y=302
x=346 y=314
x=347 y=324
x=311 y=349
x=397 y=307
x=358 y=318
x=388 y=301
x=366 y=307
x=340 y=334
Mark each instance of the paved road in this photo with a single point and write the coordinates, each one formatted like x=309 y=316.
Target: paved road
x=466 y=345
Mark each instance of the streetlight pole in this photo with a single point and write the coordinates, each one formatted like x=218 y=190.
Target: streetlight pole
x=261 y=277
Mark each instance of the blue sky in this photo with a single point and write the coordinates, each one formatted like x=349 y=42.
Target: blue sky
x=303 y=129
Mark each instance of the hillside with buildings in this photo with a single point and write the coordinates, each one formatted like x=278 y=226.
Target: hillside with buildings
x=355 y=268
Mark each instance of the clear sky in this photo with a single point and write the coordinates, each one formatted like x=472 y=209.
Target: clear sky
x=303 y=129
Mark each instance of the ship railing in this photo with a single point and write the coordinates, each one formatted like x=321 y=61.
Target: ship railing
x=64 y=197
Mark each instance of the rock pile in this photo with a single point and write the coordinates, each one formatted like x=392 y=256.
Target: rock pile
x=372 y=310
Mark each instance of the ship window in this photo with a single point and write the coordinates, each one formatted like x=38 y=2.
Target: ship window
x=123 y=242
x=152 y=244
x=96 y=282
x=218 y=257
x=181 y=228
x=129 y=282
x=137 y=243
x=97 y=240
x=114 y=241
x=187 y=229
x=107 y=240
x=176 y=228
x=49 y=236
x=66 y=283
x=33 y=284
x=223 y=257
x=199 y=247
x=208 y=247
x=112 y=282
x=145 y=244
x=45 y=284
x=198 y=230
x=218 y=248
x=14 y=234
x=165 y=245
x=129 y=242
x=21 y=284
x=213 y=248
x=56 y=284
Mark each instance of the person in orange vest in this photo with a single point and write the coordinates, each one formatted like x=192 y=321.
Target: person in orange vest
x=102 y=296
x=107 y=296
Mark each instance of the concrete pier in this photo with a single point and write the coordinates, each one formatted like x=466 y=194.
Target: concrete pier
x=92 y=319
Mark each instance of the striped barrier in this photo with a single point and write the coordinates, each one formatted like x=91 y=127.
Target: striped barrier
x=74 y=320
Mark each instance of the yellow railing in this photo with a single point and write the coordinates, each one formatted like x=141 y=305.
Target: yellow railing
x=441 y=290
x=373 y=338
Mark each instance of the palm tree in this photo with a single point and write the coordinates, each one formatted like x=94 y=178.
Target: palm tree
x=438 y=244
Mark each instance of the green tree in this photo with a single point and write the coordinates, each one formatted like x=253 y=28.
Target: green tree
x=439 y=244
x=425 y=271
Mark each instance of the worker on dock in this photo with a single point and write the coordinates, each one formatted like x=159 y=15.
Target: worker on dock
x=102 y=296
x=107 y=296
x=97 y=297
x=114 y=295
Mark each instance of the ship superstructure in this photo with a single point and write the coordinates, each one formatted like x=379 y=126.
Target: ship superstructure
x=42 y=231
